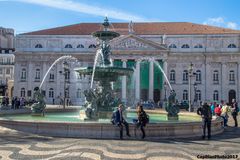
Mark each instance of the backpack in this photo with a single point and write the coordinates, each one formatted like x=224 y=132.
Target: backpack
x=145 y=118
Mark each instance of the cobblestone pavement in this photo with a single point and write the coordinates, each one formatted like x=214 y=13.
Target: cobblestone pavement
x=24 y=146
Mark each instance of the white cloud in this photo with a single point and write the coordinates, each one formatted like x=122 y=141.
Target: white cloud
x=221 y=22
x=85 y=8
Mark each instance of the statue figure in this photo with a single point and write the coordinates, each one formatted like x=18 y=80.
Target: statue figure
x=171 y=107
x=105 y=48
x=38 y=107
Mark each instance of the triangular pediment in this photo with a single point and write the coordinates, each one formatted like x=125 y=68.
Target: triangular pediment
x=133 y=42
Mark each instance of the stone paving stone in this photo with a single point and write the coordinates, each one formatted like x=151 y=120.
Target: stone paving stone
x=24 y=146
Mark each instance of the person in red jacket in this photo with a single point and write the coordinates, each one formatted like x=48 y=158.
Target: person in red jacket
x=218 y=110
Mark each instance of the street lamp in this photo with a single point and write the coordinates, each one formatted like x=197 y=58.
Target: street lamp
x=195 y=93
x=66 y=76
x=165 y=91
x=190 y=74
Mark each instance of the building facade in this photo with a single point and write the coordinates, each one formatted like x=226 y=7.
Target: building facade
x=148 y=48
x=6 y=61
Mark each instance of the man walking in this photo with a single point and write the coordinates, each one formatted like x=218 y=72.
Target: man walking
x=205 y=112
x=120 y=121
x=235 y=111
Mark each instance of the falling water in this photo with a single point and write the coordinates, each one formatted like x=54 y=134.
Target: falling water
x=56 y=61
x=94 y=66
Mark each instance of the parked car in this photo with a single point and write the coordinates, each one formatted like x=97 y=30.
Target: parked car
x=183 y=105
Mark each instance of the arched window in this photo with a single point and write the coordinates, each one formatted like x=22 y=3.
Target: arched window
x=215 y=77
x=51 y=77
x=23 y=74
x=51 y=93
x=232 y=45
x=172 y=46
x=78 y=93
x=185 y=76
x=231 y=76
x=80 y=46
x=198 y=46
x=37 y=76
x=185 y=95
x=92 y=46
x=198 y=76
x=198 y=95
x=185 y=46
x=68 y=46
x=38 y=46
x=172 y=76
x=22 y=93
x=215 y=95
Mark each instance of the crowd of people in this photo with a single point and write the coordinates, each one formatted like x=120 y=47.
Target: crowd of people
x=15 y=102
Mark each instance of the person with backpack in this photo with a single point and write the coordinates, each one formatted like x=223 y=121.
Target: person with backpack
x=142 y=120
x=206 y=114
x=235 y=111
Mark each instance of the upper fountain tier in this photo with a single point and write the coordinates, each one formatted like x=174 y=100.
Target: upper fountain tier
x=106 y=35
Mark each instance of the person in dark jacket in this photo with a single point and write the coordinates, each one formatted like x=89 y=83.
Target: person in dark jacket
x=206 y=114
x=235 y=110
x=119 y=120
x=142 y=119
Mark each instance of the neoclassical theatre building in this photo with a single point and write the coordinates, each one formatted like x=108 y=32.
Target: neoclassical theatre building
x=213 y=51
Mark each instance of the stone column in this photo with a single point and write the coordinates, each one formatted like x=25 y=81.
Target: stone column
x=30 y=76
x=165 y=64
x=137 y=86
x=124 y=83
x=224 y=82
x=151 y=80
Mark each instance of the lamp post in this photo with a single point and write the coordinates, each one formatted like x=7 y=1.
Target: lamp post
x=190 y=74
x=165 y=91
x=195 y=93
x=66 y=76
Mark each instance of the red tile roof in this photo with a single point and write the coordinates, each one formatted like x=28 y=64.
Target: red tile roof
x=148 y=28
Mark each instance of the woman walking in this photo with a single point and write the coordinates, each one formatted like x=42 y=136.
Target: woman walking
x=142 y=119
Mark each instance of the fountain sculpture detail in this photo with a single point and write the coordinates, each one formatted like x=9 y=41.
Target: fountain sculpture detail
x=171 y=107
x=100 y=102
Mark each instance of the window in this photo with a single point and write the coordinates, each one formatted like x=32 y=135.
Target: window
x=198 y=95
x=67 y=92
x=1 y=71
x=8 y=60
x=92 y=46
x=80 y=46
x=51 y=77
x=185 y=95
x=8 y=71
x=215 y=95
x=23 y=74
x=231 y=76
x=185 y=46
x=22 y=93
x=67 y=75
x=185 y=76
x=198 y=46
x=198 y=76
x=78 y=93
x=51 y=93
x=172 y=76
x=37 y=76
x=215 y=77
x=68 y=46
x=232 y=46
x=172 y=46
x=38 y=46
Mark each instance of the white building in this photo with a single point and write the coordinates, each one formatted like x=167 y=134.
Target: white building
x=214 y=52
x=6 y=61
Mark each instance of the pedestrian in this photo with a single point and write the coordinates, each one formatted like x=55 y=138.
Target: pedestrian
x=119 y=120
x=205 y=112
x=225 y=109
x=218 y=110
x=235 y=110
x=142 y=120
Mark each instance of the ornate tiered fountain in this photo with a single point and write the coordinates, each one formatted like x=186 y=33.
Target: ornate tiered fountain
x=100 y=102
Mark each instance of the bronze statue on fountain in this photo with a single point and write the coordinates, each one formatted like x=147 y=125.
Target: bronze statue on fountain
x=171 y=107
x=101 y=102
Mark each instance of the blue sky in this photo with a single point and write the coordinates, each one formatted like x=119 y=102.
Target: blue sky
x=30 y=15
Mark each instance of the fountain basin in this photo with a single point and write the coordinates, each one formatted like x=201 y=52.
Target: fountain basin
x=104 y=129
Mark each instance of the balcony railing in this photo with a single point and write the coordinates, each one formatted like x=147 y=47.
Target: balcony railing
x=6 y=63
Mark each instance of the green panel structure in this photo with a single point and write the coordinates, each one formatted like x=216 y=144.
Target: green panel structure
x=144 y=80
x=118 y=84
x=158 y=81
x=130 y=83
